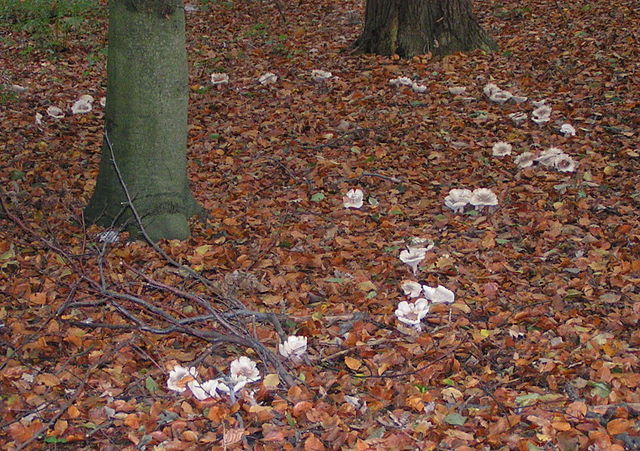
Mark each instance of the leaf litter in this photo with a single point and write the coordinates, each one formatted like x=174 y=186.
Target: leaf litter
x=541 y=343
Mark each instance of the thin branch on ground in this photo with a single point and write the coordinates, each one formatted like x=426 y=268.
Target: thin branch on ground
x=381 y=176
x=234 y=333
x=214 y=326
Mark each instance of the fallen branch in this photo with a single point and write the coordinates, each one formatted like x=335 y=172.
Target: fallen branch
x=381 y=176
x=211 y=325
x=233 y=333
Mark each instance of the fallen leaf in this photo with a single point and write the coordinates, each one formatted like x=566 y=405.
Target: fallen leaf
x=271 y=380
x=313 y=443
x=353 y=364
x=455 y=419
x=232 y=436
x=619 y=426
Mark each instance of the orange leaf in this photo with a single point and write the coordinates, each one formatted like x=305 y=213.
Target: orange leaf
x=60 y=427
x=73 y=412
x=618 y=426
x=132 y=421
x=415 y=402
x=263 y=413
x=313 y=444
x=74 y=436
x=215 y=414
x=611 y=348
x=352 y=363
x=561 y=426
x=48 y=379
x=74 y=336
x=301 y=408
x=189 y=436
x=274 y=435
x=21 y=433
x=577 y=409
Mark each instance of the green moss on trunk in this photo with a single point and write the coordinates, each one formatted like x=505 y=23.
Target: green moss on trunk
x=146 y=121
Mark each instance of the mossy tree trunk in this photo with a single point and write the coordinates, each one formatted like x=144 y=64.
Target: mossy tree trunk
x=145 y=121
x=416 y=27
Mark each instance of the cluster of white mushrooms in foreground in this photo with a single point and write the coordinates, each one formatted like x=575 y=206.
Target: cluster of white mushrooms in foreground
x=242 y=371
x=412 y=313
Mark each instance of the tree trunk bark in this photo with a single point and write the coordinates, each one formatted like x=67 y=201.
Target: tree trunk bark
x=415 y=27
x=145 y=121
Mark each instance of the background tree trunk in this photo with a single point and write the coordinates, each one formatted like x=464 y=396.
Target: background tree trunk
x=146 y=121
x=415 y=27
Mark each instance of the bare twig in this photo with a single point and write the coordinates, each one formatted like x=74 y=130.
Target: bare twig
x=335 y=355
x=291 y=175
x=381 y=176
x=215 y=314
x=138 y=219
x=213 y=327
x=233 y=334
x=281 y=11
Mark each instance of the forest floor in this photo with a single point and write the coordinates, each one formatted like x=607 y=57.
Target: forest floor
x=540 y=349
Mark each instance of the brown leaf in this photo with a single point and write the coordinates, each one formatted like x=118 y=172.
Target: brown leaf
x=488 y=240
x=73 y=412
x=272 y=299
x=561 y=425
x=48 y=379
x=21 y=433
x=610 y=298
x=352 y=363
x=132 y=420
x=302 y=407
x=567 y=441
x=313 y=443
x=232 y=436
x=577 y=409
x=619 y=426
x=490 y=289
x=460 y=435
x=60 y=427
x=367 y=285
x=274 y=435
